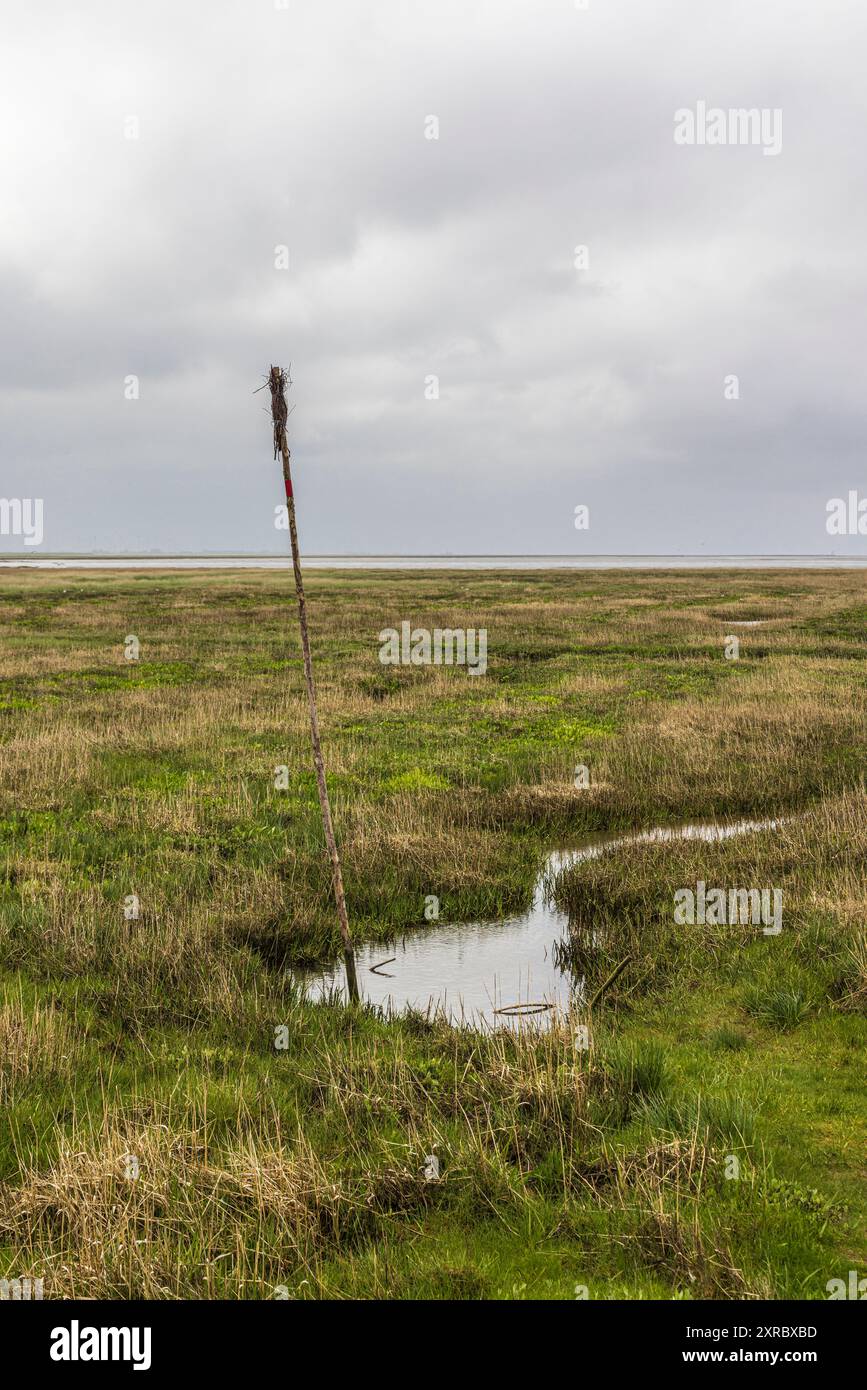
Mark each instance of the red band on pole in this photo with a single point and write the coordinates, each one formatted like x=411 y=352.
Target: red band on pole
x=288 y=482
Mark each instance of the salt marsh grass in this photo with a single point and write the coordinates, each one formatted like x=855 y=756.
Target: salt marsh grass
x=299 y=1172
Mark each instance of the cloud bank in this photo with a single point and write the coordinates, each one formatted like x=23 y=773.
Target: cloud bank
x=465 y=374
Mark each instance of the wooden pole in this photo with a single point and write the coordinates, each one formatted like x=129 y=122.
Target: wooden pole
x=277 y=381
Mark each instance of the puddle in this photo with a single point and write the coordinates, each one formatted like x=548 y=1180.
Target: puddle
x=469 y=971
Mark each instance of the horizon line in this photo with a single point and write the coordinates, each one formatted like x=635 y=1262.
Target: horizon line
x=425 y=555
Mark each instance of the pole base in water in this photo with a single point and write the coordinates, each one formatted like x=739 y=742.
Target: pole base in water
x=351 y=977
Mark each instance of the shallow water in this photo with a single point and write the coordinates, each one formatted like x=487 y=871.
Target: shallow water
x=27 y=560
x=468 y=971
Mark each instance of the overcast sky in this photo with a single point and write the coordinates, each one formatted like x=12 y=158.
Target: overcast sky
x=411 y=258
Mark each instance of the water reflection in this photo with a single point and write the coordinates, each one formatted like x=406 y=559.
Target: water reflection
x=526 y=965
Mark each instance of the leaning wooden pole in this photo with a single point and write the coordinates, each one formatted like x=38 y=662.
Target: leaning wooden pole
x=277 y=381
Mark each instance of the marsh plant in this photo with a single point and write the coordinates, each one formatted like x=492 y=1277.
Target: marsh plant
x=180 y=1121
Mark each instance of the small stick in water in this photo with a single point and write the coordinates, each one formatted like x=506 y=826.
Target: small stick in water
x=610 y=981
x=378 y=970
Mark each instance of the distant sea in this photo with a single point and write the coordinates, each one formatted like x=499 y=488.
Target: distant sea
x=433 y=562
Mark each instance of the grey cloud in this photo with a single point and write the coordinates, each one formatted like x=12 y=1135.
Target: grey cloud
x=453 y=257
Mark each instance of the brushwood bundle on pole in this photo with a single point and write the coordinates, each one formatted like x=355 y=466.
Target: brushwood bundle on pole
x=277 y=382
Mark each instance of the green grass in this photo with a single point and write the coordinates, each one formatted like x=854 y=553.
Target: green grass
x=710 y=1143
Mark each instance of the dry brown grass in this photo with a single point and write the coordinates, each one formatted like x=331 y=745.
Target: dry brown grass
x=37 y=1042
